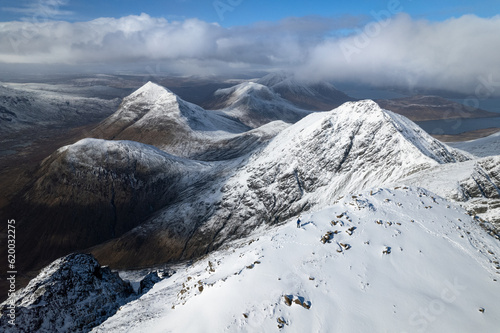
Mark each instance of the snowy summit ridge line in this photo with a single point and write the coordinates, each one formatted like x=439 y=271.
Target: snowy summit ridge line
x=306 y=166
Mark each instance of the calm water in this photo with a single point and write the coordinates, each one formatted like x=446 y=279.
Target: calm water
x=457 y=126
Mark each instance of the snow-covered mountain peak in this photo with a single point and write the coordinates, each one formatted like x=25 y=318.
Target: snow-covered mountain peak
x=153 y=103
x=310 y=95
x=274 y=78
x=363 y=107
x=152 y=92
x=326 y=154
x=247 y=89
x=149 y=101
x=154 y=115
x=306 y=166
x=255 y=104
x=283 y=80
x=364 y=125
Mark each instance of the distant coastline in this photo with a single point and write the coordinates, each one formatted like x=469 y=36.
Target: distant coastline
x=466 y=136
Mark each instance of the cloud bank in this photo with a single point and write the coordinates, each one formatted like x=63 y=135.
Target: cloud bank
x=453 y=54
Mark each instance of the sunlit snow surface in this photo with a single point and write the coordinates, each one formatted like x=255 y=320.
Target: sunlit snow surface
x=441 y=270
x=488 y=146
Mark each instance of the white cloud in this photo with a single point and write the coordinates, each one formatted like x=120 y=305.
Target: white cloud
x=400 y=51
x=454 y=54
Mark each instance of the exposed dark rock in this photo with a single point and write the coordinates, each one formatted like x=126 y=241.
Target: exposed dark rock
x=73 y=294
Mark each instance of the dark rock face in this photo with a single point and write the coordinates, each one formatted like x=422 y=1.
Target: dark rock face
x=152 y=278
x=92 y=191
x=73 y=294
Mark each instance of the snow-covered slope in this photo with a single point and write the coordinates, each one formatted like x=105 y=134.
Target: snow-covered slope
x=475 y=184
x=24 y=106
x=488 y=146
x=324 y=155
x=317 y=96
x=255 y=104
x=392 y=260
x=276 y=96
x=73 y=294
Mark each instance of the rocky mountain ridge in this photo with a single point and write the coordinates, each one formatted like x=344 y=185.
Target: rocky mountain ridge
x=306 y=166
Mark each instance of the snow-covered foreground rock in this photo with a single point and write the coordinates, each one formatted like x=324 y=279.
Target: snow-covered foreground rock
x=384 y=260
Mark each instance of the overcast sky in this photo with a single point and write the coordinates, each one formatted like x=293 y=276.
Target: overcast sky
x=447 y=45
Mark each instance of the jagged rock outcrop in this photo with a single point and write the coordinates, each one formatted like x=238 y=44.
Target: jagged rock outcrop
x=484 y=179
x=474 y=184
x=73 y=294
x=481 y=190
x=153 y=278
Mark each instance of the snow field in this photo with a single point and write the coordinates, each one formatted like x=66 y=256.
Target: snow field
x=437 y=273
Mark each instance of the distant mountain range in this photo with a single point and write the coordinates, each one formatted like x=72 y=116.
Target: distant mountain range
x=193 y=207
x=164 y=181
